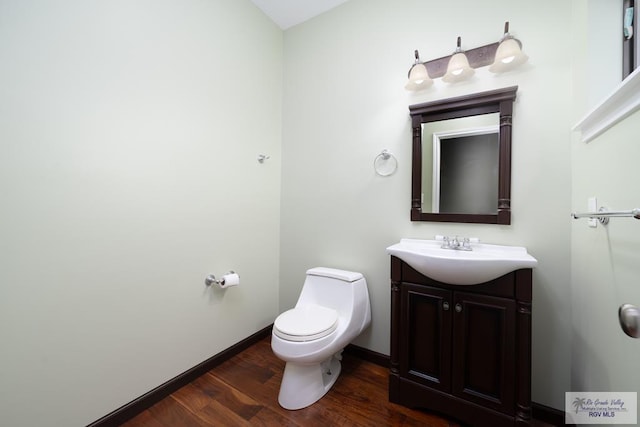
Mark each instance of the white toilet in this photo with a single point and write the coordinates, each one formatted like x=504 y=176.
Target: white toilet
x=332 y=310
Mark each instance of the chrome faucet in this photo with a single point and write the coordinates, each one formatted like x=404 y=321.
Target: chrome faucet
x=456 y=244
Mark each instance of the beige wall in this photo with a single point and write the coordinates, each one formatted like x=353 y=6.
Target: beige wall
x=344 y=102
x=604 y=260
x=129 y=133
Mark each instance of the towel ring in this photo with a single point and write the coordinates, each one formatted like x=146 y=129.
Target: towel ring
x=385 y=163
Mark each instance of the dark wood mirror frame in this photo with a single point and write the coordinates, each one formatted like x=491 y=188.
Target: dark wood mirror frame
x=495 y=101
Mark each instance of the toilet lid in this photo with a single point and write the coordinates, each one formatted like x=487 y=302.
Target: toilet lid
x=306 y=323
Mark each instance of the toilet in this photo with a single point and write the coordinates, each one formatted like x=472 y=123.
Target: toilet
x=332 y=310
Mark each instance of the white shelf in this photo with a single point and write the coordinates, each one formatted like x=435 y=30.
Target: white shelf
x=623 y=102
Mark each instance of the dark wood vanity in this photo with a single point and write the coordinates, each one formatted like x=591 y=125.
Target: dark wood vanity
x=462 y=351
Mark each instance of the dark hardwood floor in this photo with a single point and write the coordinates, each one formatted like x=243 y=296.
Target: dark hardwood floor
x=243 y=391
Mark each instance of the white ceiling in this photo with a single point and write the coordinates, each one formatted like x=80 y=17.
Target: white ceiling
x=287 y=13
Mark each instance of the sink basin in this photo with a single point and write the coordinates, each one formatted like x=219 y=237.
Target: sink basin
x=482 y=264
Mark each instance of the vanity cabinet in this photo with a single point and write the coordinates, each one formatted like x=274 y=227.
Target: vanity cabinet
x=463 y=351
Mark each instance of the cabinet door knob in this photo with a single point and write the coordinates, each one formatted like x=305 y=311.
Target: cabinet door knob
x=458 y=308
x=445 y=306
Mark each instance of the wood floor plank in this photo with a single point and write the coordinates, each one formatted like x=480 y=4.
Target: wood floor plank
x=236 y=400
x=171 y=413
x=217 y=414
x=260 y=382
x=195 y=395
x=201 y=392
x=268 y=417
x=144 y=418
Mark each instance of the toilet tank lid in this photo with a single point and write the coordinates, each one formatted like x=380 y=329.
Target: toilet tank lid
x=346 y=276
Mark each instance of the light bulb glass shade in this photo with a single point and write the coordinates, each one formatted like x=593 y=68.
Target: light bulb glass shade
x=458 y=69
x=418 y=78
x=509 y=55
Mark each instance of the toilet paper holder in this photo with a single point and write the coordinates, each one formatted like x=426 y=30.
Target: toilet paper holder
x=211 y=279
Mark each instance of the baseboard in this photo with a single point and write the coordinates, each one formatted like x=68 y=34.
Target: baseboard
x=548 y=415
x=368 y=355
x=133 y=408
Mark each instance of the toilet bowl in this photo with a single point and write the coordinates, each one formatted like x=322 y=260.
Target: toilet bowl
x=332 y=310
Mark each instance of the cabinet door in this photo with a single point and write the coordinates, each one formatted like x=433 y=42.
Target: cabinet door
x=425 y=336
x=484 y=350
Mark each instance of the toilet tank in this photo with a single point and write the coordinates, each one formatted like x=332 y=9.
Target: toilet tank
x=344 y=291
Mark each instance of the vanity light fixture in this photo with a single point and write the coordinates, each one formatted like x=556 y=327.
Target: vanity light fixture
x=458 y=68
x=509 y=54
x=500 y=56
x=418 y=75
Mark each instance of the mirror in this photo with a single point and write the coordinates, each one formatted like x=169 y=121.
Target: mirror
x=461 y=168
x=460 y=165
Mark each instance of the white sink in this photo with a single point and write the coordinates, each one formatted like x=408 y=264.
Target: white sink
x=482 y=264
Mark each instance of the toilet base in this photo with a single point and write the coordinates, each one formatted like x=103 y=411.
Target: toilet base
x=303 y=385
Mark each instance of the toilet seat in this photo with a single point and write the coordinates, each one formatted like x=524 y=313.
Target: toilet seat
x=306 y=323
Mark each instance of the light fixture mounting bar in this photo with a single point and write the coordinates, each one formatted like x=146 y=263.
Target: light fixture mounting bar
x=478 y=57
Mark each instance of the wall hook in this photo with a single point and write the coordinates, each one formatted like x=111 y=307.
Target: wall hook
x=262 y=158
